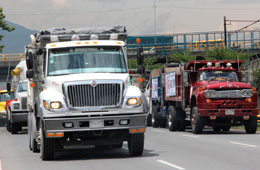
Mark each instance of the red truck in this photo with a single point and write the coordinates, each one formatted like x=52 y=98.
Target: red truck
x=202 y=93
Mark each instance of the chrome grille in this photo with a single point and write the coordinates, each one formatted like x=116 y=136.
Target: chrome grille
x=102 y=94
x=24 y=102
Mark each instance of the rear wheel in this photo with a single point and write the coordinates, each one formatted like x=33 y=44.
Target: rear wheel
x=47 y=145
x=197 y=123
x=251 y=125
x=136 y=144
x=155 y=121
x=7 y=122
x=14 y=128
x=172 y=119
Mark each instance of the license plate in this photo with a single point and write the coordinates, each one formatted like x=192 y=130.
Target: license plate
x=96 y=123
x=229 y=112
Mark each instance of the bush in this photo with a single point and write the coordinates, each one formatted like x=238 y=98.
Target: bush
x=256 y=80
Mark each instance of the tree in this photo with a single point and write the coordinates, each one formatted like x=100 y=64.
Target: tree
x=4 y=26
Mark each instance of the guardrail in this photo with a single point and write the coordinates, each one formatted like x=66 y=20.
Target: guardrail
x=11 y=57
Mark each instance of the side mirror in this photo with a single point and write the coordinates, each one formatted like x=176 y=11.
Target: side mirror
x=140 y=55
x=29 y=60
x=8 y=87
x=29 y=73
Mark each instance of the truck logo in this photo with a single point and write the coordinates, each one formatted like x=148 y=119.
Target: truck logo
x=229 y=85
x=93 y=83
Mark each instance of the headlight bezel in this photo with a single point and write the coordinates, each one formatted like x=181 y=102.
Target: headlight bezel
x=137 y=101
x=210 y=94
x=50 y=105
x=247 y=93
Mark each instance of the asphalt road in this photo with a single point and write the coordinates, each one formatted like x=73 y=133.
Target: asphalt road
x=164 y=150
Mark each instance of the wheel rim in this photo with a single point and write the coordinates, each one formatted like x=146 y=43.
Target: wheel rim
x=153 y=120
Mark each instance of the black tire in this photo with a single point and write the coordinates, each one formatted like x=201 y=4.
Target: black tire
x=33 y=146
x=47 y=146
x=197 y=122
x=136 y=144
x=173 y=123
x=14 y=128
x=7 y=122
x=226 y=128
x=118 y=146
x=251 y=125
x=181 y=118
x=149 y=120
x=155 y=121
x=216 y=128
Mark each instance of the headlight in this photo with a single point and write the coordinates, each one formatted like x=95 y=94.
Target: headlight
x=133 y=101
x=55 y=105
x=52 y=105
x=247 y=93
x=16 y=106
x=210 y=94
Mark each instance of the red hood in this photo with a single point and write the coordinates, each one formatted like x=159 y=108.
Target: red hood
x=226 y=85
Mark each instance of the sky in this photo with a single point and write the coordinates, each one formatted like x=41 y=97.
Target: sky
x=139 y=16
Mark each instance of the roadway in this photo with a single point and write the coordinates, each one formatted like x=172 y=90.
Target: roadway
x=164 y=150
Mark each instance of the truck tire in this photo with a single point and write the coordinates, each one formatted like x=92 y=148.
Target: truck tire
x=14 y=128
x=173 y=123
x=197 y=123
x=226 y=128
x=181 y=118
x=149 y=120
x=32 y=142
x=47 y=146
x=7 y=122
x=155 y=121
x=251 y=125
x=136 y=144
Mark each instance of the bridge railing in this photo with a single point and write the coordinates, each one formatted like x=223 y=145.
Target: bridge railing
x=11 y=57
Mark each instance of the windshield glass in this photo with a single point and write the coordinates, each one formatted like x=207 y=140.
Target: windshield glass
x=217 y=75
x=75 y=60
x=6 y=96
x=22 y=87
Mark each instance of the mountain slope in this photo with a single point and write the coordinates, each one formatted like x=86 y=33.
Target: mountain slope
x=15 y=41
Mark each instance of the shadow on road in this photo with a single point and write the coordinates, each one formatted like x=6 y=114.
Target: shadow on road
x=209 y=131
x=94 y=153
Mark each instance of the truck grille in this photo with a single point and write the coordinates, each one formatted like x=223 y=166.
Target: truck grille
x=24 y=102
x=97 y=94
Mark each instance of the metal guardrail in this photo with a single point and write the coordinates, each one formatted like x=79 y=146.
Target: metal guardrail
x=11 y=57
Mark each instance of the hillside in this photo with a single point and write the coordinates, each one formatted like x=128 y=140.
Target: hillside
x=15 y=41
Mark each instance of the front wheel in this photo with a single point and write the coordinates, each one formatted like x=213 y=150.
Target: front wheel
x=47 y=146
x=197 y=123
x=136 y=144
x=251 y=125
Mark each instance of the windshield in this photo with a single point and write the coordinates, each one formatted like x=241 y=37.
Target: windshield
x=22 y=87
x=75 y=60
x=6 y=96
x=217 y=75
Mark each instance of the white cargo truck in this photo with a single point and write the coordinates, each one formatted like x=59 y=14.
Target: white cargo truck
x=17 y=111
x=80 y=92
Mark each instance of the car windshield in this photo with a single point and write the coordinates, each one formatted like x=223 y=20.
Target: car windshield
x=6 y=96
x=22 y=87
x=74 y=60
x=217 y=75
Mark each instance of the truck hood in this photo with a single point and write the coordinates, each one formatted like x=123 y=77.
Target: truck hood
x=57 y=81
x=226 y=85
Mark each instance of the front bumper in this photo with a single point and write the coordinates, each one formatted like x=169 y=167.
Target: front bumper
x=19 y=117
x=55 y=125
x=225 y=113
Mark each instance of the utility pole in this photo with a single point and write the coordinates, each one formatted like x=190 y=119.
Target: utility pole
x=225 y=31
x=154 y=17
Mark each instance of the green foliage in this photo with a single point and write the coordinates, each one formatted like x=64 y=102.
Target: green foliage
x=227 y=54
x=4 y=26
x=148 y=63
x=181 y=57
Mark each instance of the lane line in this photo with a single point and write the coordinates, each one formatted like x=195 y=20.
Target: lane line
x=159 y=131
x=244 y=144
x=171 y=165
x=193 y=136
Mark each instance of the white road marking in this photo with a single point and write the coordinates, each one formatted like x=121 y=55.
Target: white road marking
x=0 y=165
x=171 y=165
x=159 y=131
x=193 y=136
x=243 y=144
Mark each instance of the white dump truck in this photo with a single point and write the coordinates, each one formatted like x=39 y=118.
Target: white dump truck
x=17 y=111
x=80 y=92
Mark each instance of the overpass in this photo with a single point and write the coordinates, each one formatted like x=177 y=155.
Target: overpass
x=7 y=63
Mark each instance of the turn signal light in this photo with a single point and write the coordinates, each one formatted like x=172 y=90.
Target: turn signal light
x=213 y=117
x=49 y=135
x=245 y=117
x=249 y=99
x=133 y=130
x=208 y=100
x=254 y=88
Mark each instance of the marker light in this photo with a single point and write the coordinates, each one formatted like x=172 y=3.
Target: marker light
x=46 y=105
x=113 y=36
x=138 y=40
x=208 y=100
x=75 y=38
x=94 y=37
